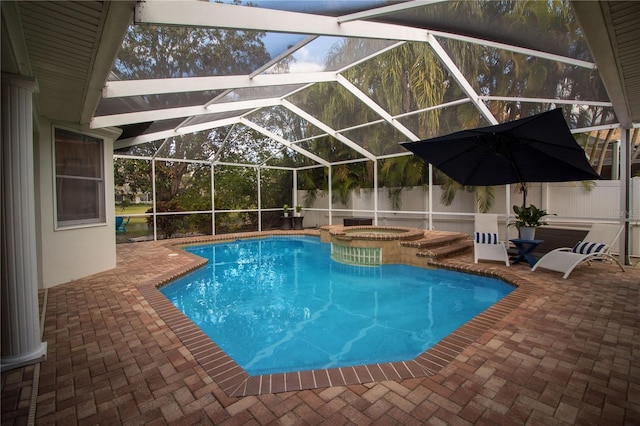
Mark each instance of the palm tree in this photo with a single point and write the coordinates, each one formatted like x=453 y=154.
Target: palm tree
x=411 y=77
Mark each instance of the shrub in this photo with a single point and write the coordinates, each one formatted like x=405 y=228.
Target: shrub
x=168 y=225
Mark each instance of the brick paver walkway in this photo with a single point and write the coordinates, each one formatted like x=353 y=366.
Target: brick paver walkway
x=569 y=353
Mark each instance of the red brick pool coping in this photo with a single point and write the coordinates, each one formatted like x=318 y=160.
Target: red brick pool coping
x=236 y=382
x=369 y=232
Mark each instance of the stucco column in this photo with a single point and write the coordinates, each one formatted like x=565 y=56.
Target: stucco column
x=21 y=342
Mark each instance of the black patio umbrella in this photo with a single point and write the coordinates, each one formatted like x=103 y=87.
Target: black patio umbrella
x=539 y=148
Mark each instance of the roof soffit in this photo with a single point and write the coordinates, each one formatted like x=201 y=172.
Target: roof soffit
x=69 y=47
x=611 y=32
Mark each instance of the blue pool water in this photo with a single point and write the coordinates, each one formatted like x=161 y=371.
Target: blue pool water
x=281 y=304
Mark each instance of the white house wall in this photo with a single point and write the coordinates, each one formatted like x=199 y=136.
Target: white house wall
x=69 y=254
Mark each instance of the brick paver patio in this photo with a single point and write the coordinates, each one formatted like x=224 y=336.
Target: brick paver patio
x=567 y=353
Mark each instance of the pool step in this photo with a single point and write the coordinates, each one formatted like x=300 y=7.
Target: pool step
x=447 y=251
x=440 y=244
x=436 y=239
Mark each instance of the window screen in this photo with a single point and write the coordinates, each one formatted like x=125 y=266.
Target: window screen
x=79 y=179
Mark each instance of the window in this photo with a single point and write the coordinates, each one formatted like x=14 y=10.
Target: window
x=80 y=183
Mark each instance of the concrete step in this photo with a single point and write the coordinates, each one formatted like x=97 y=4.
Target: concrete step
x=440 y=252
x=434 y=239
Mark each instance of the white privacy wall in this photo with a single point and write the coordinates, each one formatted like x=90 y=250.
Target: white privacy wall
x=574 y=207
x=570 y=200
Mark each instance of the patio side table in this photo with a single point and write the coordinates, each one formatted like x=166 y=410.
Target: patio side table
x=525 y=247
x=286 y=222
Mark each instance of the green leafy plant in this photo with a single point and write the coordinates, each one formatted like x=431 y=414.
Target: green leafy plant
x=298 y=208
x=285 y=209
x=529 y=216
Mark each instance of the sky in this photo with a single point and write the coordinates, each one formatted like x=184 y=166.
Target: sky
x=311 y=57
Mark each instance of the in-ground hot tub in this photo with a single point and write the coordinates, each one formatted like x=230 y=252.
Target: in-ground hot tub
x=368 y=245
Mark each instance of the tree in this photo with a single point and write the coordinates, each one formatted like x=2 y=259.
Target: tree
x=503 y=73
x=132 y=176
x=171 y=52
x=390 y=79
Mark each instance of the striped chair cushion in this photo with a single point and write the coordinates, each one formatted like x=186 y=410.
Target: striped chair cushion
x=487 y=238
x=586 y=247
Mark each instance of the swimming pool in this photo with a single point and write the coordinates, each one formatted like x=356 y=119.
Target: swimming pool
x=281 y=304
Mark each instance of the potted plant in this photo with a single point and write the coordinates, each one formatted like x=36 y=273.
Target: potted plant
x=298 y=209
x=528 y=219
x=285 y=210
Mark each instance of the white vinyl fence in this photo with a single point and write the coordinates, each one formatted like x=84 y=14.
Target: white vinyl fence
x=573 y=205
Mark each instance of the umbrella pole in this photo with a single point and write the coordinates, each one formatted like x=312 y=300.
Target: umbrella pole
x=524 y=194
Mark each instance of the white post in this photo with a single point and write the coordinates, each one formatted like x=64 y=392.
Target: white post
x=508 y=208
x=259 y=176
x=330 y=195
x=544 y=202
x=375 y=192
x=155 y=196
x=625 y=180
x=615 y=160
x=21 y=340
x=430 y=199
x=295 y=190
x=213 y=200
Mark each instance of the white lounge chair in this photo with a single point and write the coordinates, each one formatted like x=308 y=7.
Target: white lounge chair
x=486 y=245
x=595 y=246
